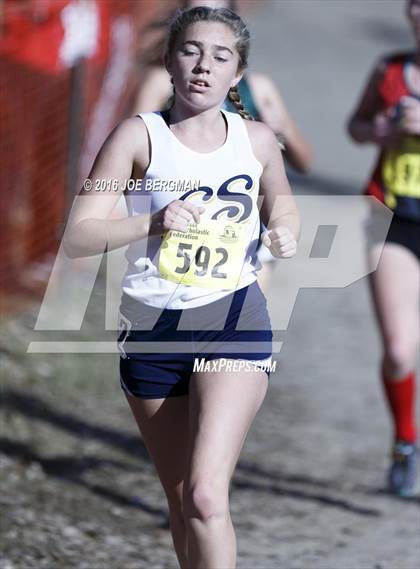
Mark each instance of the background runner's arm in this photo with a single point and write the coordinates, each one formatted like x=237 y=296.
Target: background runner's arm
x=273 y=112
x=369 y=123
x=278 y=205
x=154 y=91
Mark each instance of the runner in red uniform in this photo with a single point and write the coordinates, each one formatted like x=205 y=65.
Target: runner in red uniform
x=389 y=116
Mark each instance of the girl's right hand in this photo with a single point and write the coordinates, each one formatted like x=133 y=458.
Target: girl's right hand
x=175 y=216
x=387 y=129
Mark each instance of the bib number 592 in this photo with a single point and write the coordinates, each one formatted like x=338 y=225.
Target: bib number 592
x=202 y=260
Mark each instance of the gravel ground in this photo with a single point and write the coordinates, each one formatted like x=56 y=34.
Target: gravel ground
x=80 y=492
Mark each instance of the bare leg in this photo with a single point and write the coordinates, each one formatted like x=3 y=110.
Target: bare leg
x=395 y=287
x=222 y=408
x=163 y=424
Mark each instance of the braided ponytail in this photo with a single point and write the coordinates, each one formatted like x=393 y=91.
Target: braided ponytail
x=235 y=98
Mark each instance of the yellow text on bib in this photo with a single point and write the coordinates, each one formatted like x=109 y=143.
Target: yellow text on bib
x=401 y=171
x=210 y=255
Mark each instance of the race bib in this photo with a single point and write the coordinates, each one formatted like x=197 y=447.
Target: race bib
x=401 y=172
x=209 y=255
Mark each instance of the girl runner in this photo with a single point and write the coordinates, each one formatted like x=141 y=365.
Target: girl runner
x=388 y=115
x=190 y=290
x=255 y=94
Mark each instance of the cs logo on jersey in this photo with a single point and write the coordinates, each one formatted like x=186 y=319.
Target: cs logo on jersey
x=239 y=205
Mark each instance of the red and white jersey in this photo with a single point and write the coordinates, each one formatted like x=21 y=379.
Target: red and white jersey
x=396 y=177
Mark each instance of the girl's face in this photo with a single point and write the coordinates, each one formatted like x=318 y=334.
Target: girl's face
x=413 y=12
x=204 y=64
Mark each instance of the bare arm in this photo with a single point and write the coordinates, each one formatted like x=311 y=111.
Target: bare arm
x=278 y=211
x=154 y=91
x=368 y=123
x=274 y=113
x=89 y=230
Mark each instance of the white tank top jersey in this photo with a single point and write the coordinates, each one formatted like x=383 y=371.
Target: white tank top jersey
x=225 y=182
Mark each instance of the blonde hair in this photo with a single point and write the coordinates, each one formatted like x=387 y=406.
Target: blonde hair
x=235 y=98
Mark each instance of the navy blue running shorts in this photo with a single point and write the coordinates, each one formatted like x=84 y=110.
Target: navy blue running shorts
x=402 y=231
x=405 y=232
x=160 y=349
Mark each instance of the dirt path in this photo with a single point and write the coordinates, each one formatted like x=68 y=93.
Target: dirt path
x=80 y=492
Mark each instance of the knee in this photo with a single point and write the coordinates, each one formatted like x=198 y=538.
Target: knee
x=205 y=501
x=400 y=357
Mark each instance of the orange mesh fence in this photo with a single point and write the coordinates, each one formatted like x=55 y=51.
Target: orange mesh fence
x=67 y=72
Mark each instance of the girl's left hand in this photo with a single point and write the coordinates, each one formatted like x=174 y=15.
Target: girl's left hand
x=280 y=241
